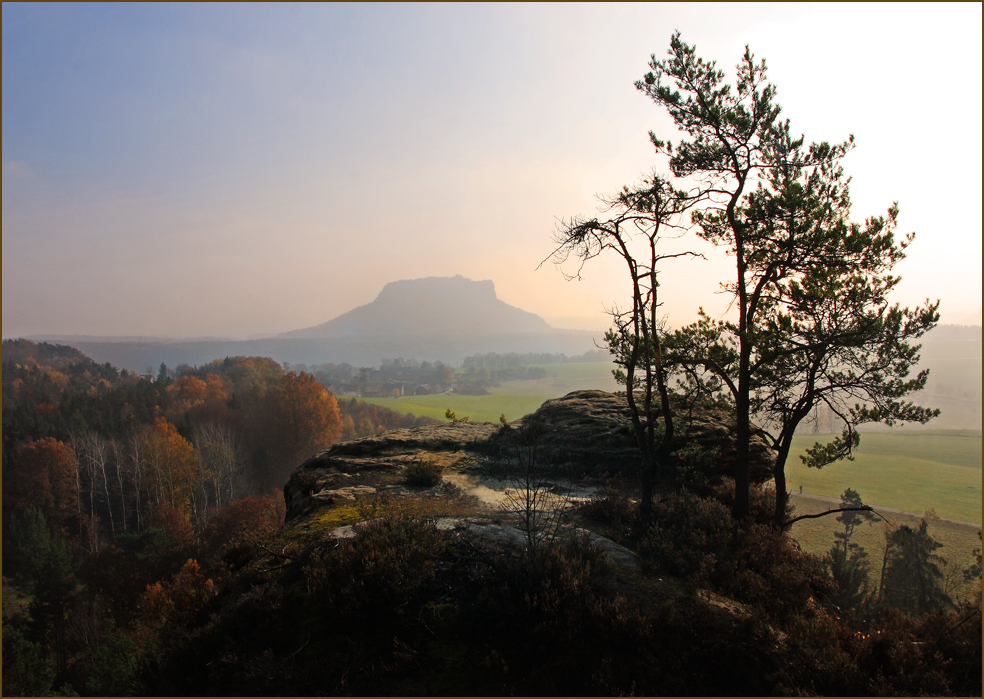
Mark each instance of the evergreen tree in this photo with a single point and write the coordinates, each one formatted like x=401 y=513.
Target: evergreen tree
x=973 y=571
x=26 y=672
x=849 y=570
x=850 y=518
x=46 y=561
x=114 y=670
x=913 y=574
x=814 y=326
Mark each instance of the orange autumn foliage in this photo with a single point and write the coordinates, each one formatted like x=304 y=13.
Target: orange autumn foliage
x=187 y=591
x=299 y=418
x=43 y=474
x=173 y=522
x=171 y=464
x=217 y=388
x=214 y=407
x=245 y=518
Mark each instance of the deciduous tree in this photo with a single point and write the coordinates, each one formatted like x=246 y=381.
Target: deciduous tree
x=169 y=464
x=221 y=469
x=245 y=518
x=642 y=216
x=43 y=474
x=299 y=417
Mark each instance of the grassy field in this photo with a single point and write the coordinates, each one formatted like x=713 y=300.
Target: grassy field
x=514 y=399
x=910 y=471
x=817 y=536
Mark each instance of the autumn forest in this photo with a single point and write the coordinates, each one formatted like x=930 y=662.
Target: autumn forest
x=144 y=480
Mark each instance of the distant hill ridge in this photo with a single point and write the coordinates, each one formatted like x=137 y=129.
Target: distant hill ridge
x=429 y=306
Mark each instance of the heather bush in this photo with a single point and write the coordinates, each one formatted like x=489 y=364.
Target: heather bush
x=690 y=537
x=761 y=497
x=696 y=538
x=423 y=474
x=377 y=572
x=555 y=629
x=770 y=570
x=939 y=654
x=613 y=508
x=546 y=597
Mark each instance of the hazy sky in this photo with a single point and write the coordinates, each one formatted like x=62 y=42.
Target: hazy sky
x=222 y=170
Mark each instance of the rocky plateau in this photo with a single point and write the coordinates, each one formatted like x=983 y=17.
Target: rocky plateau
x=587 y=433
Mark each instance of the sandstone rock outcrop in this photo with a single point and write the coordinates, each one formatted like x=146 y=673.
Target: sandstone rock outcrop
x=592 y=431
x=589 y=430
x=315 y=482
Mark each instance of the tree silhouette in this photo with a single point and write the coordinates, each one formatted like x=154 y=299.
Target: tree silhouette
x=642 y=217
x=814 y=325
x=913 y=577
x=851 y=516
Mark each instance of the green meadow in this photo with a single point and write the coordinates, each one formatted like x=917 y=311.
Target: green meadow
x=817 y=536
x=514 y=399
x=907 y=470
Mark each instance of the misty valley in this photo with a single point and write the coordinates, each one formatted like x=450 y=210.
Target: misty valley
x=438 y=493
x=143 y=512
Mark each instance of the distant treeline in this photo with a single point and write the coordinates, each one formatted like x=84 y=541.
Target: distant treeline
x=493 y=360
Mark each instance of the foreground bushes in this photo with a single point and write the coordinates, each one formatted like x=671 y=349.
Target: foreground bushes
x=405 y=609
x=423 y=474
x=377 y=572
x=891 y=654
x=695 y=538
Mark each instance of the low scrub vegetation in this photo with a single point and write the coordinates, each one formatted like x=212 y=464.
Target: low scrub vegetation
x=422 y=473
x=406 y=608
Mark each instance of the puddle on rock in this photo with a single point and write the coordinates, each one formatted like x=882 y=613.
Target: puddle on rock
x=494 y=490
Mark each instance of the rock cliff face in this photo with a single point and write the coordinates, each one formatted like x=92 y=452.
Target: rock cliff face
x=588 y=430
x=592 y=430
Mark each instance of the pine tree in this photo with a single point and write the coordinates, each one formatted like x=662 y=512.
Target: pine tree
x=913 y=574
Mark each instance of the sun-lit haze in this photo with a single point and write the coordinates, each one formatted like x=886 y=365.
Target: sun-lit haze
x=241 y=170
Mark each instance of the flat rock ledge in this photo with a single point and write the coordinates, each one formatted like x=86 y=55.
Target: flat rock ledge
x=589 y=432
x=314 y=484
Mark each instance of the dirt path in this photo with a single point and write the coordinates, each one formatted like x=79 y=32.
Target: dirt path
x=880 y=508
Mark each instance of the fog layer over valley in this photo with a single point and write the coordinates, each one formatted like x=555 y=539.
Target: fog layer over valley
x=447 y=319
x=436 y=318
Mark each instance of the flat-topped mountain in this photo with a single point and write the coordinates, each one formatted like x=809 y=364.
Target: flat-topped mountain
x=430 y=306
